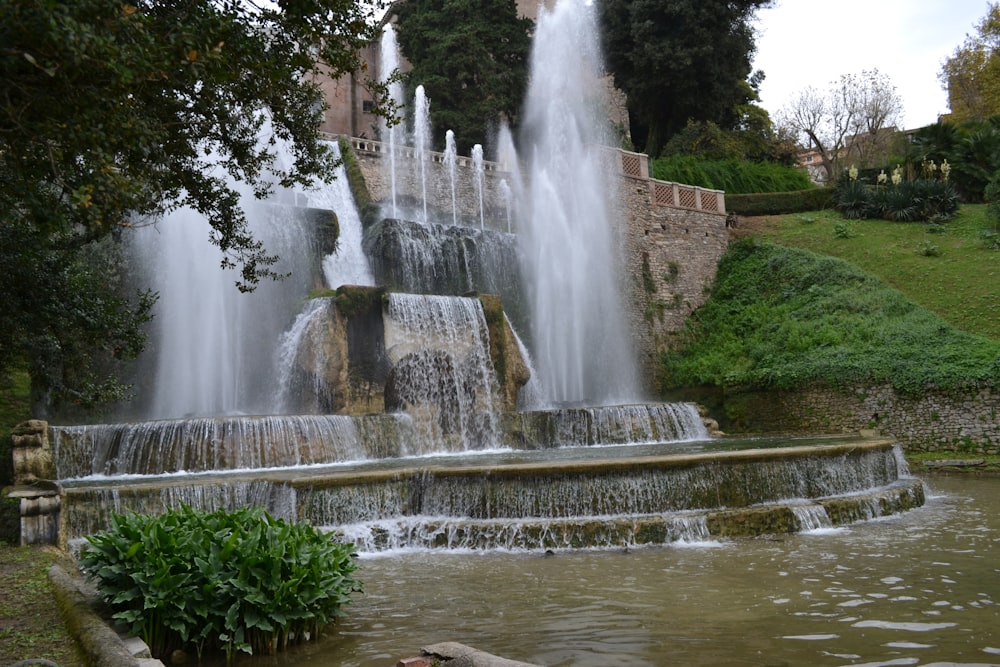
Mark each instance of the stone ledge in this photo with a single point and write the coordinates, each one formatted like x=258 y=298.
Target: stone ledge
x=101 y=645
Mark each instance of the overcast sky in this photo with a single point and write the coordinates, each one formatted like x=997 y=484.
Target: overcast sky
x=812 y=42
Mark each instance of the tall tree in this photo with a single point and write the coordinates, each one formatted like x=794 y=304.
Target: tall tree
x=680 y=60
x=471 y=56
x=971 y=76
x=112 y=112
x=851 y=123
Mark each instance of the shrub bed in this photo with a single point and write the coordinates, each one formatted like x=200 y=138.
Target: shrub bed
x=221 y=581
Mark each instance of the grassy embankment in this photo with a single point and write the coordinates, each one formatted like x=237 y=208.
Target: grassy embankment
x=783 y=318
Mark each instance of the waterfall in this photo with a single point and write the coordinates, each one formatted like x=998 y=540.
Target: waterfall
x=388 y=66
x=422 y=141
x=206 y=444
x=305 y=334
x=438 y=259
x=811 y=518
x=347 y=265
x=572 y=255
x=450 y=163
x=442 y=374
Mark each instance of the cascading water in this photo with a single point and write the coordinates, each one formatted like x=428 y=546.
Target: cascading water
x=443 y=375
x=388 y=66
x=571 y=254
x=422 y=141
x=347 y=265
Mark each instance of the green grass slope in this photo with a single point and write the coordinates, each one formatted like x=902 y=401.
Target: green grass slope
x=786 y=318
x=948 y=269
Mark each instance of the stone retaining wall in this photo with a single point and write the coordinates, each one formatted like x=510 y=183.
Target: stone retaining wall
x=965 y=421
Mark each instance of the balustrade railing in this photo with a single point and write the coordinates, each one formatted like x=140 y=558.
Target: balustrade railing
x=632 y=165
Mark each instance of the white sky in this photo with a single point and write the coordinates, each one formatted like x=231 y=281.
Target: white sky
x=812 y=42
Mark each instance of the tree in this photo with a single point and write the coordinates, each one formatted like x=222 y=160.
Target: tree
x=472 y=59
x=852 y=123
x=971 y=76
x=114 y=112
x=680 y=60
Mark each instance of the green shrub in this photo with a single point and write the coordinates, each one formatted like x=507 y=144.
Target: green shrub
x=920 y=200
x=230 y=581
x=732 y=176
x=777 y=203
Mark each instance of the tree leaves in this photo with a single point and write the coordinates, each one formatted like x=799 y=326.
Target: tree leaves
x=112 y=113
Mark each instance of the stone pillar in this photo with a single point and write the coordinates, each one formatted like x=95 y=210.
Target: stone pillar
x=32 y=452
x=34 y=485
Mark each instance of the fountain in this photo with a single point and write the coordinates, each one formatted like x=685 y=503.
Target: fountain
x=402 y=408
x=422 y=141
x=450 y=159
x=388 y=66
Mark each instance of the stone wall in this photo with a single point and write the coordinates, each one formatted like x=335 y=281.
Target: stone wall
x=673 y=235
x=965 y=422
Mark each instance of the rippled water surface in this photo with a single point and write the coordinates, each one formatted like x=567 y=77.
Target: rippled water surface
x=916 y=589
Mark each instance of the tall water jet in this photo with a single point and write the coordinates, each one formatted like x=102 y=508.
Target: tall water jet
x=477 y=170
x=571 y=253
x=450 y=163
x=508 y=199
x=388 y=66
x=422 y=140
x=212 y=347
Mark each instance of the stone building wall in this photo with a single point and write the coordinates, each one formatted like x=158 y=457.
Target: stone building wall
x=966 y=421
x=673 y=235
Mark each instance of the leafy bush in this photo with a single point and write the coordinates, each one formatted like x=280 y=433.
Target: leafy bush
x=235 y=581
x=909 y=201
x=851 y=198
x=786 y=319
x=733 y=176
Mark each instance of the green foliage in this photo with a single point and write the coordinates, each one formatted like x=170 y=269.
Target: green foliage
x=920 y=200
x=679 y=60
x=784 y=318
x=472 y=59
x=114 y=113
x=230 y=581
x=731 y=175
x=773 y=203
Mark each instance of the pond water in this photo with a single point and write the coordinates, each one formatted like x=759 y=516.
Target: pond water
x=919 y=588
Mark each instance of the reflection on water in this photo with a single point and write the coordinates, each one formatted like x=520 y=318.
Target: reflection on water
x=919 y=588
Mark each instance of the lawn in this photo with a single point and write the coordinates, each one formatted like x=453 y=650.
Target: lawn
x=949 y=270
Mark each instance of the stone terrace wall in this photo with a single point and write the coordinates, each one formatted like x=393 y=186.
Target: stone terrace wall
x=966 y=422
x=674 y=235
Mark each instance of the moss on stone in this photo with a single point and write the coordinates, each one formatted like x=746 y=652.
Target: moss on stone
x=355 y=177
x=493 y=310
x=352 y=300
